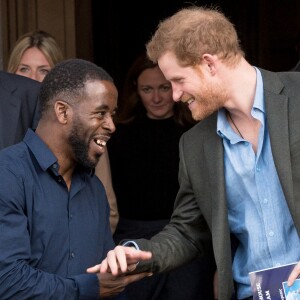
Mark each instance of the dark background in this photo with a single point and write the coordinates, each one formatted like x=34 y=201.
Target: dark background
x=269 y=30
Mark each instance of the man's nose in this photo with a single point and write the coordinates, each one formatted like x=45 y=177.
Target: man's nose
x=109 y=124
x=177 y=94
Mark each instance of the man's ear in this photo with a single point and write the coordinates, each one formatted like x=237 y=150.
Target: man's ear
x=210 y=63
x=62 y=111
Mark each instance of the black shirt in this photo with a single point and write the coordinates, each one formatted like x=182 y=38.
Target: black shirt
x=144 y=158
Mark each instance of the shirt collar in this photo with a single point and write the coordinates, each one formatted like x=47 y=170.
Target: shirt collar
x=259 y=93
x=40 y=150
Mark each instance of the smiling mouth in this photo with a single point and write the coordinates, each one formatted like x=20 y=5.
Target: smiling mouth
x=100 y=143
x=187 y=99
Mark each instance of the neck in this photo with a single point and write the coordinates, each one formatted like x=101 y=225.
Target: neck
x=229 y=117
x=53 y=138
x=241 y=84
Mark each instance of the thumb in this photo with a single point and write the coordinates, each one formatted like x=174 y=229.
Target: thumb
x=94 y=269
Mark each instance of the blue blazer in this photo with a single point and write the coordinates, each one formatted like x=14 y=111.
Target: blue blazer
x=18 y=107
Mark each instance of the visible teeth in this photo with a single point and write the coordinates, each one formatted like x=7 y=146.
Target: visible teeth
x=190 y=101
x=100 y=143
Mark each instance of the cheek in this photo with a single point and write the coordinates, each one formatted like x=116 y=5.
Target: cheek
x=40 y=78
x=25 y=74
x=43 y=76
x=170 y=107
x=146 y=100
x=168 y=97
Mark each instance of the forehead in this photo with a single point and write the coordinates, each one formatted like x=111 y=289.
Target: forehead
x=102 y=92
x=168 y=64
x=33 y=54
x=171 y=68
x=151 y=76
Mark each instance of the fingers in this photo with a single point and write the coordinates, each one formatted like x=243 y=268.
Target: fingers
x=123 y=259
x=112 y=285
x=116 y=259
x=94 y=269
x=138 y=255
x=294 y=274
x=131 y=267
x=104 y=266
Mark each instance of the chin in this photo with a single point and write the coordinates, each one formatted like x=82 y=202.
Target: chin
x=197 y=116
x=90 y=163
x=93 y=162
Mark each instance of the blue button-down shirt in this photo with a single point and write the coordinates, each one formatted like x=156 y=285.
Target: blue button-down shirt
x=258 y=213
x=49 y=235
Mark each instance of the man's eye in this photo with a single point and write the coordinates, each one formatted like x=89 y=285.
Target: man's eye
x=102 y=114
x=106 y=114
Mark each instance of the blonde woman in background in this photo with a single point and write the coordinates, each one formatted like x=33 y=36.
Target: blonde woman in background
x=34 y=54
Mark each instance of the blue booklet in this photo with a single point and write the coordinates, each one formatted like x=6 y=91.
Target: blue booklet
x=271 y=284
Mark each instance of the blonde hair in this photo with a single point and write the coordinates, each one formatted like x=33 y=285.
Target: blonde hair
x=42 y=40
x=192 y=32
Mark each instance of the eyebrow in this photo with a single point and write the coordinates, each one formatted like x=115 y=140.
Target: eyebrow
x=42 y=66
x=104 y=106
x=25 y=65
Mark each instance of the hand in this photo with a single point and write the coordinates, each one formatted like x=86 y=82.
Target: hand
x=120 y=260
x=113 y=285
x=294 y=274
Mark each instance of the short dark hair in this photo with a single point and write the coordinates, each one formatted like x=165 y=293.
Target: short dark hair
x=67 y=81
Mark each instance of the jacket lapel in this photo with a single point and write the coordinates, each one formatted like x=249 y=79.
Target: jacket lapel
x=214 y=156
x=213 y=151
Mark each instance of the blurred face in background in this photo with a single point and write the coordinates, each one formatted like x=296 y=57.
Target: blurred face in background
x=34 y=64
x=156 y=93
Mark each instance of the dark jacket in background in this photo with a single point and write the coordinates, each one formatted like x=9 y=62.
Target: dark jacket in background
x=18 y=107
